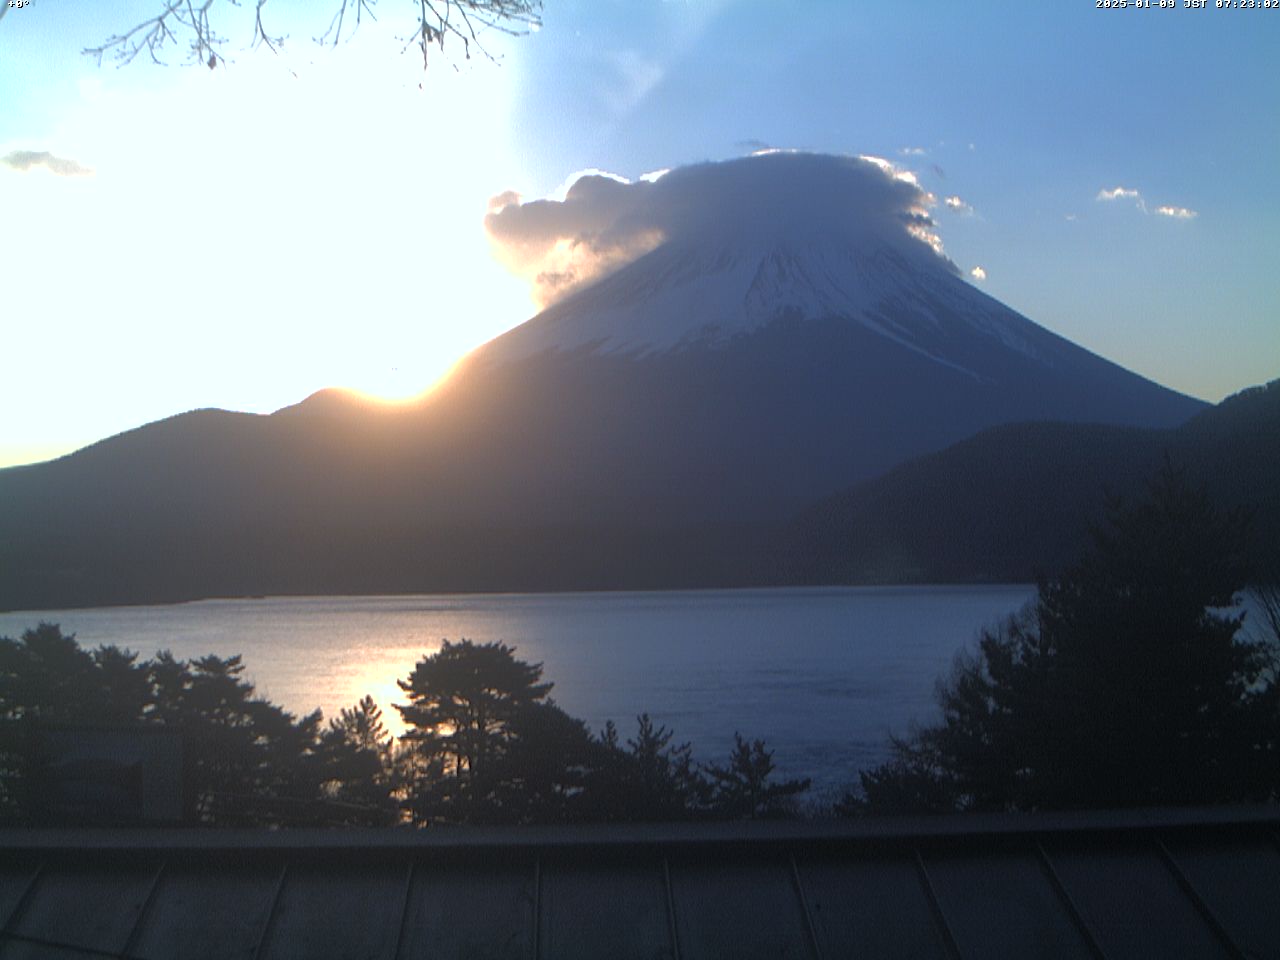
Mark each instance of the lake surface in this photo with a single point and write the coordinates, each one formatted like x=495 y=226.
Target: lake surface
x=824 y=675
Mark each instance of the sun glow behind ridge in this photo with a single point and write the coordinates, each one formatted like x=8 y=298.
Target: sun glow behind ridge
x=254 y=234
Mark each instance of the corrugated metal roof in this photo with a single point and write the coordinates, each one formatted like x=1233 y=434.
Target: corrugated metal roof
x=1202 y=883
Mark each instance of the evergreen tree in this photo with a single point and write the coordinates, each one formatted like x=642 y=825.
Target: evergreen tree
x=667 y=783
x=358 y=770
x=542 y=775
x=245 y=760
x=745 y=790
x=647 y=779
x=46 y=675
x=463 y=700
x=1128 y=682
x=47 y=679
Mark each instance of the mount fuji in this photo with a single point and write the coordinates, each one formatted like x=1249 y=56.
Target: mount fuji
x=792 y=329
x=798 y=329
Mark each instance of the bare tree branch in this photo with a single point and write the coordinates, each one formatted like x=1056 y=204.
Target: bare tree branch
x=188 y=22
x=1266 y=596
x=260 y=34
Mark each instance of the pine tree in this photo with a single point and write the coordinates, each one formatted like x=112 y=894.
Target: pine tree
x=462 y=702
x=358 y=777
x=1128 y=682
x=745 y=789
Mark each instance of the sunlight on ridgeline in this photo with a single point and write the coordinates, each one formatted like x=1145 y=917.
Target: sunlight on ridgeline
x=401 y=390
x=357 y=231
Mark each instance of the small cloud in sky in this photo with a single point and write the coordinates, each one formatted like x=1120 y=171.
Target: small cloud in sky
x=634 y=76
x=913 y=151
x=958 y=205
x=24 y=160
x=1072 y=216
x=1129 y=193
x=1120 y=193
x=978 y=273
x=602 y=222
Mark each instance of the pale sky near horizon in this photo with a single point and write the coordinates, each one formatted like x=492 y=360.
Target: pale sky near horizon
x=177 y=237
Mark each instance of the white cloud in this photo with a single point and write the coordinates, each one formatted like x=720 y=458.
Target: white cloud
x=958 y=205
x=913 y=151
x=978 y=273
x=24 y=160
x=600 y=221
x=1120 y=193
x=562 y=191
x=1129 y=193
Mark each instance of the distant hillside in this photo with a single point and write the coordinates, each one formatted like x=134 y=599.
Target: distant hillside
x=649 y=430
x=1015 y=501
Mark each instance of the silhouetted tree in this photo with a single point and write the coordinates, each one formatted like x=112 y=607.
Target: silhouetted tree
x=484 y=744
x=245 y=760
x=195 y=26
x=358 y=774
x=647 y=779
x=243 y=757
x=668 y=784
x=46 y=678
x=543 y=772
x=1126 y=683
x=745 y=790
x=1265 y=632
x=914 y=780
x=463 y=701
x=47 y=675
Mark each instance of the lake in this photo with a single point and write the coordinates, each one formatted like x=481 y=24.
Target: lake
x=823 y=675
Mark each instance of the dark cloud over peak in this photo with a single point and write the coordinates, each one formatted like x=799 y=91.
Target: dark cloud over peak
x=604 y=222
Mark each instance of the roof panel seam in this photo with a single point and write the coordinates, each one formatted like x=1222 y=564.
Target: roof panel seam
x=1197 y=901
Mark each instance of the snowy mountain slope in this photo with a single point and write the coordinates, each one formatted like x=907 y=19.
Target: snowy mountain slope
x=680 y=296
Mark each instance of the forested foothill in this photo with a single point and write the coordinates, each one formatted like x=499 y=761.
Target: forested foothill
x=1015 y=502
x=326 y=499
x=1133 y=679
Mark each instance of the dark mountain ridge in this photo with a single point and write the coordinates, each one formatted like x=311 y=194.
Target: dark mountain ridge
x=1016 y=501
x=652 y=430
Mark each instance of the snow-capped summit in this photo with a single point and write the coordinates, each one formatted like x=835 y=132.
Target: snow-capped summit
x=729 y=248
x=680 y=295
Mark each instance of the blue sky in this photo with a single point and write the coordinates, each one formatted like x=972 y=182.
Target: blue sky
x=288 y=222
